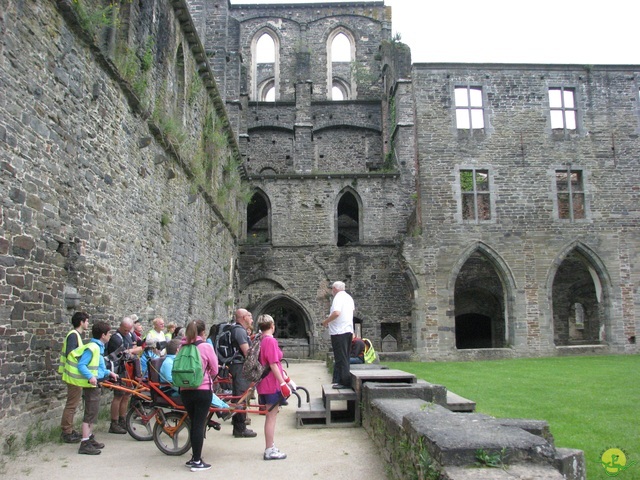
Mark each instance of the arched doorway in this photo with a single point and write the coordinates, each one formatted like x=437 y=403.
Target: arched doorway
x=293 y=326
x=480 y=318
x=578 y=309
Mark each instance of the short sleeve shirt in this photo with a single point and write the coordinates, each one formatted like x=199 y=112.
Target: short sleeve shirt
x=343 y=303
x=269 y=353
x=240 y=337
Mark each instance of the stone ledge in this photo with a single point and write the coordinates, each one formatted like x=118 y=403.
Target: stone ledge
x=416 y=436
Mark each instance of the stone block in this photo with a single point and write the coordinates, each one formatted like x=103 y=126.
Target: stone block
x=571 y=463
x=454 y=438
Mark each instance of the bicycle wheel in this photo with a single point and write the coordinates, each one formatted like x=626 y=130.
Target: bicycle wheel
x=171 y=436
x=141 y=418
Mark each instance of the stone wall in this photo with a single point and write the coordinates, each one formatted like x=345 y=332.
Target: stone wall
x=525 y=241
x=105 y=207
x=303 y=29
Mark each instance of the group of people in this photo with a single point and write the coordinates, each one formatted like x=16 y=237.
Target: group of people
x=83 y=366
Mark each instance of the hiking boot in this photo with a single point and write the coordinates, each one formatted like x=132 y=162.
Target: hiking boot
x=246 y=433
x=86 y=448
x=123 y=422
x=117 y=428
x=200 y=466
x=73 y=437
x=95 y=443
x=274 y=454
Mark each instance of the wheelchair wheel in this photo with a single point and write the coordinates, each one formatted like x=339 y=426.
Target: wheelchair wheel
x=171 y=436
x=140 y=420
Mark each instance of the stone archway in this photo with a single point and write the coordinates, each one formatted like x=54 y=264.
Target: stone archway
x=293 y=326
x=480 y=299
x=579 y=316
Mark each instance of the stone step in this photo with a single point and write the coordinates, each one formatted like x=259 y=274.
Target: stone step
x=456 y=403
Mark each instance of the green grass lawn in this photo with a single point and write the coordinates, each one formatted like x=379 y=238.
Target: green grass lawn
x=590 y=403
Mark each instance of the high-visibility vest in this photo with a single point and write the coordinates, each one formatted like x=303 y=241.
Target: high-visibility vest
x=369 y=352
x=71 y=373
x=63 y=354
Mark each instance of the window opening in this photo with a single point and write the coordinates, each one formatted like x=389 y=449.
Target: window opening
x=180 y=82
x=340 y=55
x=476 y=197
x=265 y=49
x=570 y=191
x=348 y=220
x=258 y=219
x=336 y=93
x=265 y=67
x=579 y=309
x=341 y=48
x=563 y=109
x=469 y=108
x=270 y=94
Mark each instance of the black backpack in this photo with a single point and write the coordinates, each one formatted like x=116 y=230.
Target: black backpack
x=226 y=349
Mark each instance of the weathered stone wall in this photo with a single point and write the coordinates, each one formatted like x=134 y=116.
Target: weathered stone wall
x=302 y=275
x=524 y=240
x=304 y=29
x=101 y=209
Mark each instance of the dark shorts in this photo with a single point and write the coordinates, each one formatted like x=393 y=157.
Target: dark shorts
x=91 y=404
x=270 y=398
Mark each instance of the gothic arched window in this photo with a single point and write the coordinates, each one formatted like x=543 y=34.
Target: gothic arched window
x=265 y=66
x=259 y=218
x=340 y=56
x=348 y=216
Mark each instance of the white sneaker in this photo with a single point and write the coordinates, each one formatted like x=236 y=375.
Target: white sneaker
x=274 y=454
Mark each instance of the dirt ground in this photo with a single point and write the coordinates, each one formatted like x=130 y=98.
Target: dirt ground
x=324 y=454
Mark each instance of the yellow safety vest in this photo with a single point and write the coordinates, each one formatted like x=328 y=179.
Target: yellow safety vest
x=71 y=373
x=369 y=352
x=63 y=355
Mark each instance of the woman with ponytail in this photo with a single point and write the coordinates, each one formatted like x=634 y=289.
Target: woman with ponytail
x=197 y=401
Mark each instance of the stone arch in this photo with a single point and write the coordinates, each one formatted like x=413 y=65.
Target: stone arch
x=483 y=295
x=294 y=327
x=579 y=289
x=259 y=218
x=263 y=73
x=343 y=87
x=337 y=70
x=276 y=280
x=266 y=90
x=348 y=218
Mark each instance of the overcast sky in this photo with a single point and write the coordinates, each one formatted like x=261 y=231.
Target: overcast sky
x=500 y=31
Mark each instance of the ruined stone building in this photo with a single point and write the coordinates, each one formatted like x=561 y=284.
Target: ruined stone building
x=158 y=163
x=473 y=210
